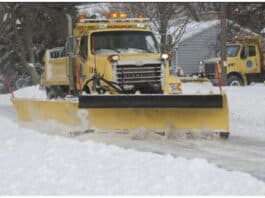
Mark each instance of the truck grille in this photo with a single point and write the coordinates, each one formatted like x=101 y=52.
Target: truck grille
x=132 y=74
x=209 y=68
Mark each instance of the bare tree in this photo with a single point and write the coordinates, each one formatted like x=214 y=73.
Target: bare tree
x=24 y=41
x=33 y=27
x=167 y=18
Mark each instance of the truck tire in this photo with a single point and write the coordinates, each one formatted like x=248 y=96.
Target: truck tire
x=234 y=81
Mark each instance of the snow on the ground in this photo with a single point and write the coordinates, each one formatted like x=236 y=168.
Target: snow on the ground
x=247 y=110
x=199 y=88
x=32 y=163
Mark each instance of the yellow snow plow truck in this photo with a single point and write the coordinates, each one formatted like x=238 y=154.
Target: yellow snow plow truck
x=245 y=62
x=119 y=81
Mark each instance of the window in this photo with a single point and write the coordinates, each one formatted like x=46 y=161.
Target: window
x=232 y=50
x=124 y=42
x=252 y=51
x=83 y=47
x=244 y=52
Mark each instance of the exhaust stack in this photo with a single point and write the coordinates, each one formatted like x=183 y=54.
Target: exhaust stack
x=72 y=84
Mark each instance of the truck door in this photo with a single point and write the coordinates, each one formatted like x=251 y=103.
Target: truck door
x=82 y=63
x=250 y=59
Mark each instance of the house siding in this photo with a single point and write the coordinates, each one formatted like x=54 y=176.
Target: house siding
x=194 y=49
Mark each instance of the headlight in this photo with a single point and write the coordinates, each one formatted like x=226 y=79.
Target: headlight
x=113 y=58
x=164 y=56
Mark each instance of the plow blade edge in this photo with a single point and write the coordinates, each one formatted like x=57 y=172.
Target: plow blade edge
x=151 y=101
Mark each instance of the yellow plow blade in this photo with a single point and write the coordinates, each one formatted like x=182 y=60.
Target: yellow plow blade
x=125 y=119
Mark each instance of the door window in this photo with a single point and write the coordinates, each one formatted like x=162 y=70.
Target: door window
x=252 y=51
x=83 y=47
x=244 y=52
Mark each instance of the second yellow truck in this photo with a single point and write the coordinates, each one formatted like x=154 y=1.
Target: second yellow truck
x=245 y=62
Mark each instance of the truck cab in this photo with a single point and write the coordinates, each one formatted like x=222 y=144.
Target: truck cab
x=118 y=54
x=244 y=62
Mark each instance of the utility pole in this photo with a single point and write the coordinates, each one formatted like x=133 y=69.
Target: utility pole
x=223 y=41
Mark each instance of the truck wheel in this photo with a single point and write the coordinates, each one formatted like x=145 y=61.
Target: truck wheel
x=234 y=81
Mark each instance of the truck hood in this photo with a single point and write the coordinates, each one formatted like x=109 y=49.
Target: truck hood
x=135 y=57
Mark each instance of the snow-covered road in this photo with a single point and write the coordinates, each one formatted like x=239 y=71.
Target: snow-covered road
x=35 y=163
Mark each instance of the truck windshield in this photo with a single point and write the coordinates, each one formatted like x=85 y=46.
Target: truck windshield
x=232 y=50
x=129 y=42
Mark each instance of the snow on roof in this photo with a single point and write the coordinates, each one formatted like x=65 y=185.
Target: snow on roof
x=246 y=31
x=194 y=28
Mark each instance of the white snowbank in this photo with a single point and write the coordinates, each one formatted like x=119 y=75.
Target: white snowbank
x=31 y=92
x=27 y=92
x=34 y=164
x=199 y=88
x=39 y=164
x=246 y=105
x=247 y=110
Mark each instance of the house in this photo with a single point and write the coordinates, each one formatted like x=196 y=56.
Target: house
x=200 y=41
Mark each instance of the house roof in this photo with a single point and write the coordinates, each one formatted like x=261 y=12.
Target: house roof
x=194 y=28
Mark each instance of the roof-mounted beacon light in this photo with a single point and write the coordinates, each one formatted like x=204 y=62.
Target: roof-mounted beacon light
x=112 y=15
x=81 y=18
x=236 y=37
x=140 y=16
x=117 y=15
x=122 y=15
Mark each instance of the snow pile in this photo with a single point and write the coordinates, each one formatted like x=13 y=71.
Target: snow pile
x=247 y=109
x=33 y=164
x=31 y=92
x=199 y=88
x=27 y=92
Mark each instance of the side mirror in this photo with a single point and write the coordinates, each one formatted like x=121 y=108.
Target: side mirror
x=71 y=46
